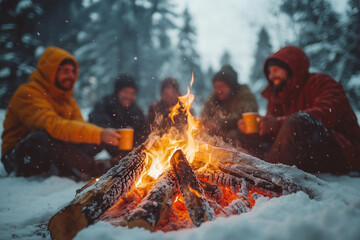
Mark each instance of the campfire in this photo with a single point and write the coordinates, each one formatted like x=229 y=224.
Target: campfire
x=174 y=181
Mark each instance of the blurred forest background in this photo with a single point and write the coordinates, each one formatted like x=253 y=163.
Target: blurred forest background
x=151 y=39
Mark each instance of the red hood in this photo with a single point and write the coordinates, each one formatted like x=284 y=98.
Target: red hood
x=299 y=64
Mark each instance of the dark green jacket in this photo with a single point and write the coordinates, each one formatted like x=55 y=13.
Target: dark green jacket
x=226 y=113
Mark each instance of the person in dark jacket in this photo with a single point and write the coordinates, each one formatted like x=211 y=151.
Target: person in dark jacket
x=227 y=103
x=119 y=110
x=158 y=119
x=308 y=117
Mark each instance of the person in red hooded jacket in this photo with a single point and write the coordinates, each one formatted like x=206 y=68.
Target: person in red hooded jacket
x=309 y=119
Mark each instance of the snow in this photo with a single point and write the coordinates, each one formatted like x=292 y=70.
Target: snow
x=27 y=204
x=23 y=5
x=5 y=72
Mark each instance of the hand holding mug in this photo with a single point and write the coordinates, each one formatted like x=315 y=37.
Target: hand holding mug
x=241 y=125
x=249 y=123
x=268 y=125
x=110 y=136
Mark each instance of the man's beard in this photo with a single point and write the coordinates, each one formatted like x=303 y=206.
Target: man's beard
x=278 y=88
x=58 y=84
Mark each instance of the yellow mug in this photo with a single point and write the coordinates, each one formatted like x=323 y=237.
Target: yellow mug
x=251 y=123
x=127 y=138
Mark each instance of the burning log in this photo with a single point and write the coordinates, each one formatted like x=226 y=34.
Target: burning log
x=193 y=195
x=96 y=199
x=223 y=179
x=226 y=185
x=237 y=206
x=253 y=181
x=212 y=190
x=262 y=178
x=276 y=178
x=154 y=206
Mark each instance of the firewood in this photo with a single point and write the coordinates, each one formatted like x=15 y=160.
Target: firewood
x=198 y=208
x=238 y=206
x=119 y=213
x=96 y=199
x=276 y=178
x=212 y=190
x=251 y=179
x=219 y=211
x=155 y=205
x=88 y=184
x=222 y=179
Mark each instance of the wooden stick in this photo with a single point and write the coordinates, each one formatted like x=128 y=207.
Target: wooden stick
x=96 y=199
x=198 y=208
x=277 y=178
x=155 y=205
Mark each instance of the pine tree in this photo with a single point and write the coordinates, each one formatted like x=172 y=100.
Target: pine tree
x=59 y=23
x=226 y=58
x=125 y=37
x=107 y=37
x=209 y=74
x=317 y=31
x=30 y=26
x=263 y=50
x=257 y=78
x=332 y=45
x=18 y=44
x=188 y=56
x=349 y=63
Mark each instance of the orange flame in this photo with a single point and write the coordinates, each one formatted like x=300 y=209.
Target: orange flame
x=195 y=192
x=159 y=155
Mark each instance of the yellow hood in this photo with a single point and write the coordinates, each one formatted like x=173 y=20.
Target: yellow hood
x=47 y=67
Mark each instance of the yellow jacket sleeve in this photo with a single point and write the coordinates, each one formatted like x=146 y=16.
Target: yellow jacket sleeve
x=38 y=113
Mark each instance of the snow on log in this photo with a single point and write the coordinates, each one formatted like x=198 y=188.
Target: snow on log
x=238 y=206
x=196 y=204
x=222 y=179
x=277 y=178
x=155 y=205
x=96 y=199
x=212 y=190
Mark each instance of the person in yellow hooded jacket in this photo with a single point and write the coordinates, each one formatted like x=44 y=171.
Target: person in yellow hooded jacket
x=43 y=124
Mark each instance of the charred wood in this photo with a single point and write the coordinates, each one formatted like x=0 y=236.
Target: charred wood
x=222 y=179
x=219 y=211
x=96 y=199
x=237 y=207
x=155 y=205
x=118 y=215
x=193 y=195
x=253 y=180
x=276 y=178
x=212 y=190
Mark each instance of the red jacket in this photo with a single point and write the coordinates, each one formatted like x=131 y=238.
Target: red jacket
x=319 y=95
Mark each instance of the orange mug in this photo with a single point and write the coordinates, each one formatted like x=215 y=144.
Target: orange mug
x=251 y=123
x=127 y=138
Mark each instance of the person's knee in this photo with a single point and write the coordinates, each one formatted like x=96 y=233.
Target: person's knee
x=39 y=137
x=299 y=122
x=298 y=119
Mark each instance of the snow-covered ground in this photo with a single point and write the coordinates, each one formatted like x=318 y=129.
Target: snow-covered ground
x=27 y=204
